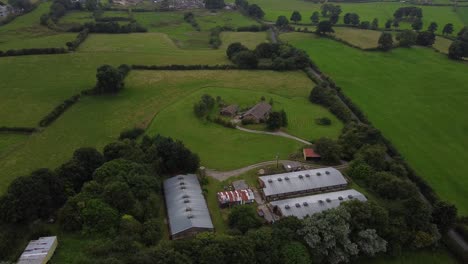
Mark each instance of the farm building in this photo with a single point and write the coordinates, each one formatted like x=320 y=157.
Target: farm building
x=186 y=206
x=301 y=207
x=39 y=251
x=240 y=185
x=258 y=113
x=292 y=166
x=301 y=182
x=310 y=154
x=228 y=198
x=229 y=110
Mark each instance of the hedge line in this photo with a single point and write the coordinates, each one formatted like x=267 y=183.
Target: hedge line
x=58 y=110
x=80 y=38
x=34 y=51
x=24 y=130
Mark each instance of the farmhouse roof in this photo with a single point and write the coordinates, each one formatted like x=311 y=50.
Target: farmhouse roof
x=38 y=251
x=186 y=206
x=300 y=207
x=259 y=110
x=231 y=109
x=310 y=153
x=301 y=181
x=235 y=196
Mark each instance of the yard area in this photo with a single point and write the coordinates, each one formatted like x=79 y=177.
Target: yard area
x=416 y=98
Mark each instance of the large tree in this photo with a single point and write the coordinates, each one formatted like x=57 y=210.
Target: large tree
x=315 y=18
x=407 y=38
x=432 y=27
x=329 y=150
x=214 y=4
x=234 y=48
x=243 y=218
x=246 y=59
x=255 y=11
x=425 y=38
x=296 y=17
x=282 y=22
x=324 y=27
x=109 y=80
x=448 y=29
x=385 y=41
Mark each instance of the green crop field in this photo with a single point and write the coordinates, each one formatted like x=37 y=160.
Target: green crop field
x=362 y=38
x=442 y=44
x=416 y=97
x=238 y=148
x=79 y=17
x=367 y=11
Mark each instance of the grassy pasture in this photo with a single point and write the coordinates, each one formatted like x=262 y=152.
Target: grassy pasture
x=238 y=148
x=9 y=141
x=96 y=121
x=462 y=13
x=416 y=98
x=26 y=100
x=442 y=44
x=76 y=17
x=208 y=20
x=367 y=11
x=26 y=32
x=249 y=39
x=362 y=38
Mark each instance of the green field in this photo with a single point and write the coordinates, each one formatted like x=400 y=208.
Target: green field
x=442 y=44
x=367 y=11
x=182 y=33
x=239 y=148
x=462 y=13
x=416 y=97
x=248 y=39
x=25 y=32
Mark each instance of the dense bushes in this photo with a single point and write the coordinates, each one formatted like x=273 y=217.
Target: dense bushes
x=459 y=48
x=215 y=39
x=203 y=107
x=110 y=79
x=34 y=51
x=323 y=95
x=73 y=45
x=254 y=10
x=111 y=27
x=58 y=110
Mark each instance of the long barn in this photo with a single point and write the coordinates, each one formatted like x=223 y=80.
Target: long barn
x=186 y=206
x=299 y=183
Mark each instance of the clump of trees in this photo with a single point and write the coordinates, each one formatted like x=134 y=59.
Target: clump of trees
x=331 y=11
x=351 y=19
x=110 y=79
x=277 y=120
x=283 y=57
x=459 y=48
x=283 y=23
x=189 y=17
x=203 y=107
x=296 y=17
x=324 y=95
x=329 y=151
x=324 y=27
x=243 y=218
x=254 y=10
x=409 y=12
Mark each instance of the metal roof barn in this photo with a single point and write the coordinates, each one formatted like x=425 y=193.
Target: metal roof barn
x=39 y=251
x=301 y=207
x=301 y=182
x=186 y=207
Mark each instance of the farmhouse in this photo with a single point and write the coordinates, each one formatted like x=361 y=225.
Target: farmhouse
x=229 y=110
x=301 y=207
x=39 y=251
x=186 y=206
x=310 y=154
x=258 y=113
x=229 y=198
x=298 y=183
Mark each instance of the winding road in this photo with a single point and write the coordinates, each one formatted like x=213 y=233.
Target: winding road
x=224 y=175
x=277 y=133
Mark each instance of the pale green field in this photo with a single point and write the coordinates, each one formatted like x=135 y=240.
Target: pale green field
x=248 y=39
x=442 y=44
x=362 y=38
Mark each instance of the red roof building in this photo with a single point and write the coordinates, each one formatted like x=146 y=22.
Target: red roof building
x=310 y=154
x=236 y=197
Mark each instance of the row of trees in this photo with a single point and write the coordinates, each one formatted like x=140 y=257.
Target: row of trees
x=406 y=38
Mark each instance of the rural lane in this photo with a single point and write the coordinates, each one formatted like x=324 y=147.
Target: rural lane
x=224 y=175
x=278 y=133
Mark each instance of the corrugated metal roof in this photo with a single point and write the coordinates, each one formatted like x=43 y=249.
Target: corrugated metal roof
x=236 y=196
x=259 y=110
x=186 y=206
x=37 y=251
x=301 y=181
x=300 y=207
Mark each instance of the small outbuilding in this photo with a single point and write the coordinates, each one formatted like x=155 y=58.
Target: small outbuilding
x=230 y=110
x=310 y=154
x=292 y=166
x=240 y=185
x=258 y=113
x=39 y=251
x=229 y=198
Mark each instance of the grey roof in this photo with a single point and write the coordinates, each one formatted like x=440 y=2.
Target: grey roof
x=231 y=109
x=186 y=206
x=240 y=185
x=38 y=251
x=301 y=181
x=259 y=110
x=300 y=207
